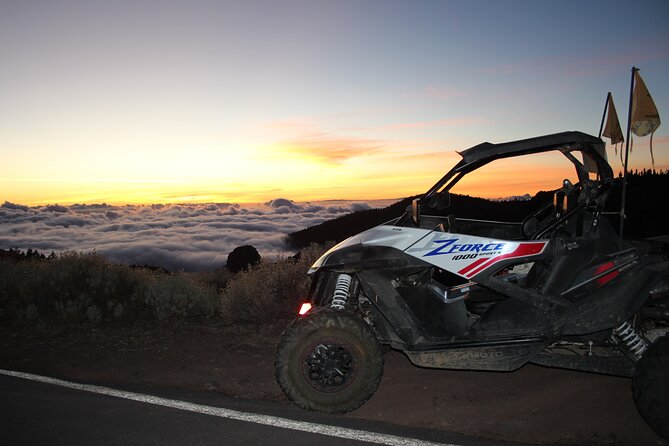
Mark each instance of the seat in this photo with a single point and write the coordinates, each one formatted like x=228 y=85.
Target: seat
x=448 y=226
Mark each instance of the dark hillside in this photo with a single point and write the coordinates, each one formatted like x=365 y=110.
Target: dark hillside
x=464 y=206
x=345 y=226
x=647 y=197
x=461 y=205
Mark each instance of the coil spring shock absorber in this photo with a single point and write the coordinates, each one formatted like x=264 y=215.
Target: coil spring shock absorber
x=628 y=335
x=340 y=295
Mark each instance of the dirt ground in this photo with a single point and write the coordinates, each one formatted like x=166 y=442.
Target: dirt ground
x=533 y=404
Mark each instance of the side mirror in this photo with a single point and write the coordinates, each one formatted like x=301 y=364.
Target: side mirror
x=415 y=211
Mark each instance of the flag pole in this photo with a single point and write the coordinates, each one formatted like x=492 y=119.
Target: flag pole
x=627 y=153
x=606 y=107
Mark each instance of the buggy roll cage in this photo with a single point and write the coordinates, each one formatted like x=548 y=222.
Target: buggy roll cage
x=590 y=146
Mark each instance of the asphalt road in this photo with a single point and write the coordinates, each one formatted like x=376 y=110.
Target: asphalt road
x=63 y=413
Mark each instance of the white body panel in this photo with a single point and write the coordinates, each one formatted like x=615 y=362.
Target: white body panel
x=464 y=255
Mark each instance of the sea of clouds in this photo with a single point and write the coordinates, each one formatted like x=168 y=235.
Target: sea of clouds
x=190 y=237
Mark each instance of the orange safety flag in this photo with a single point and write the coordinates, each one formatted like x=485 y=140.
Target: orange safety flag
x=645 y=117
x=612 y=128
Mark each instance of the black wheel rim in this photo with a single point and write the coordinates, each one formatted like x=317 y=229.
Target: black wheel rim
x=329 y=366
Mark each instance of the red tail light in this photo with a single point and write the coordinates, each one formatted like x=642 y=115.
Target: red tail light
x=304 y=309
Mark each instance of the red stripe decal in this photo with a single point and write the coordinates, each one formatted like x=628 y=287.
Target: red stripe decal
x=525 y=249
x=472 y=265
x=608 y=277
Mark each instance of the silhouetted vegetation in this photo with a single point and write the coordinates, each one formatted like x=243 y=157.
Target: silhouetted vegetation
x=85 y=288
x=74 y=289
x=269 y=291
x=242 y=257
x=646 y=203
x=18 y=255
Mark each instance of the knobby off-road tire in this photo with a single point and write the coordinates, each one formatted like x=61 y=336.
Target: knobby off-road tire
x=651 y=387
x=329 y=361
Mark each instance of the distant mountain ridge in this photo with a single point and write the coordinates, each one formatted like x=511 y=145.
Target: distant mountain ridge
x=646 y=201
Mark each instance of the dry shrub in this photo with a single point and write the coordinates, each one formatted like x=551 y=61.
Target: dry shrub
x=74 y=288
x=71 y=287
x=85 y=288
x=269 y=291
x=178 y=296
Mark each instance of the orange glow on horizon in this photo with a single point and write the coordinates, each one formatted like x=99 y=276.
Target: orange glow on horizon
x=279 y=171
x=364 y=190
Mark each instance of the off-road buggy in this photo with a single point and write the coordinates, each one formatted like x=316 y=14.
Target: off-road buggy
x=559 y=289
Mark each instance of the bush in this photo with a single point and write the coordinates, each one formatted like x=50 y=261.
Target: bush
x=217 y=279
x=71 y=287
x=177 y=296
x=242 y=258
x=85 y=288
x=269 y=291
x=75 y=288
x=16 y=301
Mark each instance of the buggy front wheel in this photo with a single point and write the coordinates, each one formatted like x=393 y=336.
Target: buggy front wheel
x=329 y=361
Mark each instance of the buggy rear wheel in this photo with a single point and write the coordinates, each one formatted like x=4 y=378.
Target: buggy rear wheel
x=329 y=361
x=651 y=387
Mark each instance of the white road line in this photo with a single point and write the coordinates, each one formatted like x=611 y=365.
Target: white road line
x=267 y=420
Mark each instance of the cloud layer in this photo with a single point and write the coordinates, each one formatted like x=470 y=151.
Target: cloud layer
x=192 y=237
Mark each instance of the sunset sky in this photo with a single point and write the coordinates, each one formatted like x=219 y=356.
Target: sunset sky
x=247 y=101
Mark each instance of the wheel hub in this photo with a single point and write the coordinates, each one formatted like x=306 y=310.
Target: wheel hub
x=329 y=366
